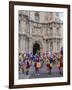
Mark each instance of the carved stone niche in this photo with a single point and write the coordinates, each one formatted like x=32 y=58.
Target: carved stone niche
x=40 y=31
x=33 y=29
x=36 y=30
x=57 y=25
x=50 y=25
x=53 y=24
x=34 y=24
x=46 y=32
x=39 y=25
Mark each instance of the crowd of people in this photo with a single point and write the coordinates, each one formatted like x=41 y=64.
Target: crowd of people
x=28 y=60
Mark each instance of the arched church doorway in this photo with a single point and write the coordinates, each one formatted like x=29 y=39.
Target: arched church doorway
x=36 y=47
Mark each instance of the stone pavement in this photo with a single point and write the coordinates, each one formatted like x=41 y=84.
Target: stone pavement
x=43 y=73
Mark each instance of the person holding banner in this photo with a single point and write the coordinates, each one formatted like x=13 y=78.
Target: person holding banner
x=27 y=67
x=37 y=67
x=49 y=65
x=37 y=62
x=61 y=61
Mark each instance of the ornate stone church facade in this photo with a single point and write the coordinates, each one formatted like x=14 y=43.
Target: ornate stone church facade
x=40 y=30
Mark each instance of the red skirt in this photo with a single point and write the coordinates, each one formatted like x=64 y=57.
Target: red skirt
x=48 y=66
x=61 y=64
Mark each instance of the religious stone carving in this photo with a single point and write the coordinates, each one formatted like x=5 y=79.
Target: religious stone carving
x=49 y=32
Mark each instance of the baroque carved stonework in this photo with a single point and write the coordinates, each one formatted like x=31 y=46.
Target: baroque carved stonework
x=48 y=29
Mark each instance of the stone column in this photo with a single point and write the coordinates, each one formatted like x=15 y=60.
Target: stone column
x=54 y=31
x=54 y=46
x=24 y=41
x=30 y=38
x=23 y=25
x=61 y=43
x=22 y=44
x=27 y=44
x=19 y=43
x=48 y=46
x=30 y=44
x=30 y=27
x=45 y=45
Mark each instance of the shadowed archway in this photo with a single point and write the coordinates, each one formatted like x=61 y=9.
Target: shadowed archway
x=36 y=47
